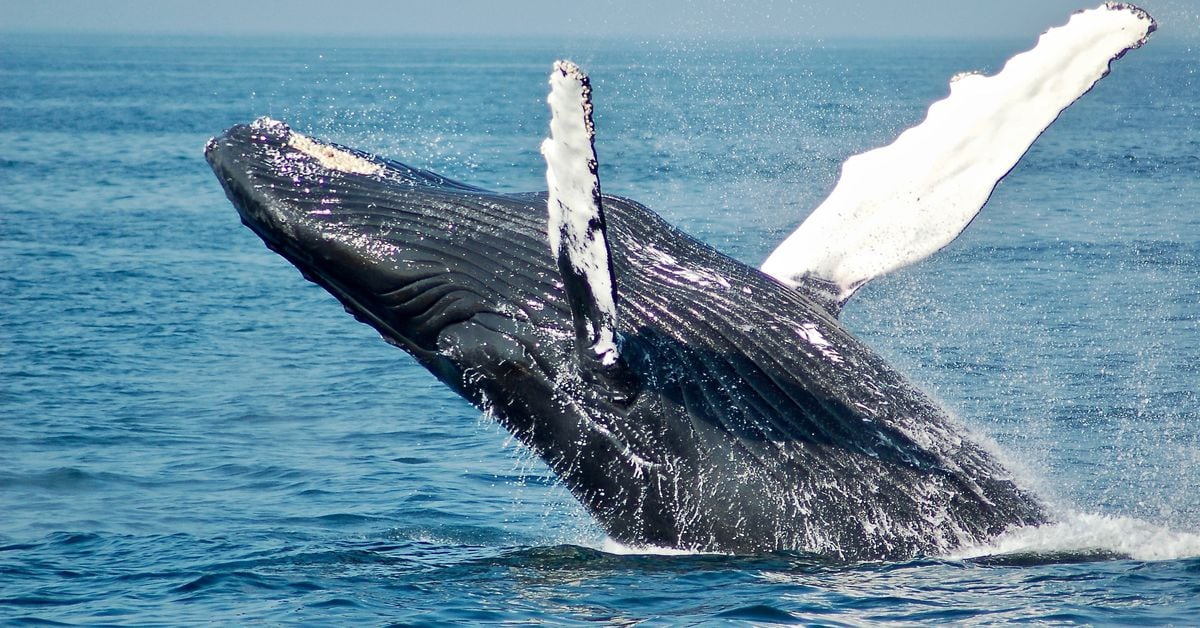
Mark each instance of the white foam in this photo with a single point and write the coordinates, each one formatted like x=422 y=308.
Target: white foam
x=611 y=546
x=1086 y=532
x=1076 y=533
x=896 y=205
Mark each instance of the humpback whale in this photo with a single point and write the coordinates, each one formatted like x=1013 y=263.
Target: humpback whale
x=686 y=399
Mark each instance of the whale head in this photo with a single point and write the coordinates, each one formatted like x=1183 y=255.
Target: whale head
x=435 y=266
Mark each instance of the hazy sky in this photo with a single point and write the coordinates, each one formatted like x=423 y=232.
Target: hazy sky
x=640 y=18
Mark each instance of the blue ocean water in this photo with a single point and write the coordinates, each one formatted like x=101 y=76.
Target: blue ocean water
x=191 y=432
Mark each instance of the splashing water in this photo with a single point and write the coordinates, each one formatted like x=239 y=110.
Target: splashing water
x=1089 y=534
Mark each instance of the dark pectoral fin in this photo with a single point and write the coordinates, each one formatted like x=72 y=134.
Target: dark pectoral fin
x=578 y=238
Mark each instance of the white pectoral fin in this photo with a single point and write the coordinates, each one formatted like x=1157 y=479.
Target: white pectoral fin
x=577 y=232
x=896 y=205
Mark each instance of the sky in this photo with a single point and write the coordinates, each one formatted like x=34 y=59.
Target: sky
x=800 y=19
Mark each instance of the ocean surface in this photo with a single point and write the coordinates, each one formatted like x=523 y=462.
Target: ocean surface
x=190 y=432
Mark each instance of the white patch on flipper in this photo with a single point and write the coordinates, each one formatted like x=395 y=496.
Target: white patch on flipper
x=896 y=205
x=574 y=196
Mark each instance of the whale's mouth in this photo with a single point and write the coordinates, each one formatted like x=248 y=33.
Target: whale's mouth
x=457 y=276
x=250 y=161
x=407 y=251
x=284 y=184
x=317 y=205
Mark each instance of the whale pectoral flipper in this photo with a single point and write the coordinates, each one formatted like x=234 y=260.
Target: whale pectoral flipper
x=577 y=230
x=896 y=205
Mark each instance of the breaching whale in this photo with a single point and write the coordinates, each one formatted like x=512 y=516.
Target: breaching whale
x=686 y=399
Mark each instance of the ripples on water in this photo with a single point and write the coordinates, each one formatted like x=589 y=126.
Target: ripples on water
x=193 y=433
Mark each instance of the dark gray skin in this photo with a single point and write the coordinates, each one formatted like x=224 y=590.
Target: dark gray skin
x=742 y=418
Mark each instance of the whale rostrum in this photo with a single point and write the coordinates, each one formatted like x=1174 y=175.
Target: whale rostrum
x=687 y=400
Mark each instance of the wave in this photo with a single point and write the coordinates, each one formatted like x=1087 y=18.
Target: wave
x=1088 y=536
x=610 y=546
x=1076 y=537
